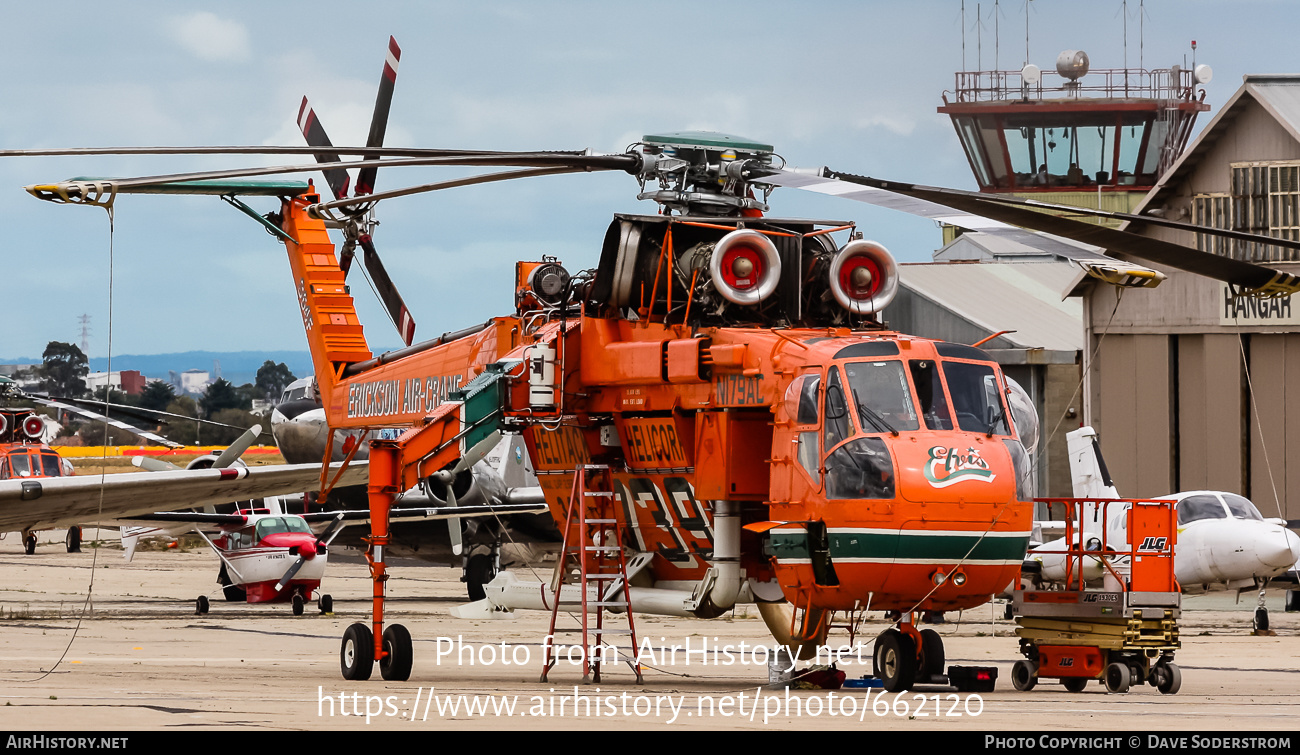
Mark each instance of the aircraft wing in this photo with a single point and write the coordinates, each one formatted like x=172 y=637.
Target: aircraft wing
x=1086 y=244
x=63 y=501
x=432 y=512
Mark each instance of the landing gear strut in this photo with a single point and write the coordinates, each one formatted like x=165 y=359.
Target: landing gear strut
x=1261 y=613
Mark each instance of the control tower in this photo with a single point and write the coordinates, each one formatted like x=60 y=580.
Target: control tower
x=1075 y=136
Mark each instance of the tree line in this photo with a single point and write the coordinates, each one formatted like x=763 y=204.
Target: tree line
x=63 y=372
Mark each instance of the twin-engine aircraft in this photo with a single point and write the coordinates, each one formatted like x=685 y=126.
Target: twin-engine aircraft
x=1222 y=537
x=769 y=438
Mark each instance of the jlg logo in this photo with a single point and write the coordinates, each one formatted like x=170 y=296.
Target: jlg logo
x=1156 y=544
x=1066 y=663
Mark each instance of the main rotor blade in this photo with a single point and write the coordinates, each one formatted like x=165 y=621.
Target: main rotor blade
x=1247 y=275
x=74 y=187
x=379 y=121
x=397 y=311
x=273 y=150
x=107 y=420
x=237 y=449
x=314 y=133
x=1090 y=259
x=141 y=412
x=507 y=175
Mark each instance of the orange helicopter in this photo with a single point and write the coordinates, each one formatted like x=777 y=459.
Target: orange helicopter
x=769 y=439
x=24 y=455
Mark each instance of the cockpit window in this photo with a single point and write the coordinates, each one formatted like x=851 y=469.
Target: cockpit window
x=859 y=469
x=1194 y=508
x=50 y=465
x=975 y=397
x=929 y=391
x=835 y=406
x=881 y=395
x=808 y=399
x=274 y=524
x=1241 y=508
x=21 y=467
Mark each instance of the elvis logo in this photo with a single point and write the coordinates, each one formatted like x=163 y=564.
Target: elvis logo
x=946 y=466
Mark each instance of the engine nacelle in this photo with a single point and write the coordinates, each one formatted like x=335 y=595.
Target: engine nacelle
x=864 y=277
x=463 y=485
x=33 y=426
x=745 y=267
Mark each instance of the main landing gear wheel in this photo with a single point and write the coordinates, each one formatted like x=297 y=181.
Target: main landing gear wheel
x=478 y=572
x=1024 y=676
x=298 y=604
x=1292 y=601
x=234 y=594
x=895 y=661
x=1118 y=677
x=357 y=656
x=1073 y=683
x=325 y=603
x=29 y=545
x=932 y=656
x=73 y=540
x=395 y=666
x=201 y=605
x=1167 y=678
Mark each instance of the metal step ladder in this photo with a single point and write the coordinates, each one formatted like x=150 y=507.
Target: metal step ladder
x=592 y=562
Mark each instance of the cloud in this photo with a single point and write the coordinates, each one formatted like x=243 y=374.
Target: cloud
x=210 y=38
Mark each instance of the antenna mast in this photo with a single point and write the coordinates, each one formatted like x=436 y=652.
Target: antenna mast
x=84 y=320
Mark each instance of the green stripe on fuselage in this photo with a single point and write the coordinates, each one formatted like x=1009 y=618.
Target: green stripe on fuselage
x=904 y=545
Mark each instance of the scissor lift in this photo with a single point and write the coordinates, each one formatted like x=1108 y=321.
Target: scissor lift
x=1122 y=634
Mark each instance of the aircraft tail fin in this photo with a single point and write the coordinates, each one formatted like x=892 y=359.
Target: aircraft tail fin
x=1088 y=473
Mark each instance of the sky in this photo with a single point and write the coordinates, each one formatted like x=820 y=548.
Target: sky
x=852 y=84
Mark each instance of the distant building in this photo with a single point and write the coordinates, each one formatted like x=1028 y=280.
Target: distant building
x=127 y=381
x=195 y=381
x=1193 y=388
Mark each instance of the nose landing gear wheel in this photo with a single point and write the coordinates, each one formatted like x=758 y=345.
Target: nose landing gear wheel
x=1074 y=683
x=1024 y=676
x=298 y=604
x=396 y=665
x=895 y=661
x=1261 y=619
x=73 y=540
x=357 y=655
x=29 y=545
x=1118 y=677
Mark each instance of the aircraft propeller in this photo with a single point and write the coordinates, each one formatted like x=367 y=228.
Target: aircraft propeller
x=448 y=478
x=322 y=543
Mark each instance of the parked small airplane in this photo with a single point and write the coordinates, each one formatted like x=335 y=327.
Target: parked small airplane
x=1222 y=537
x=503 y=475
x=269 y=556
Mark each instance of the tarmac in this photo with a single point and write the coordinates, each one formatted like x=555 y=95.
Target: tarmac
x=136 y=657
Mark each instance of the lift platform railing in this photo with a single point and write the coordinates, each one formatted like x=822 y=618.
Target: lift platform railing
x=1152 y=532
